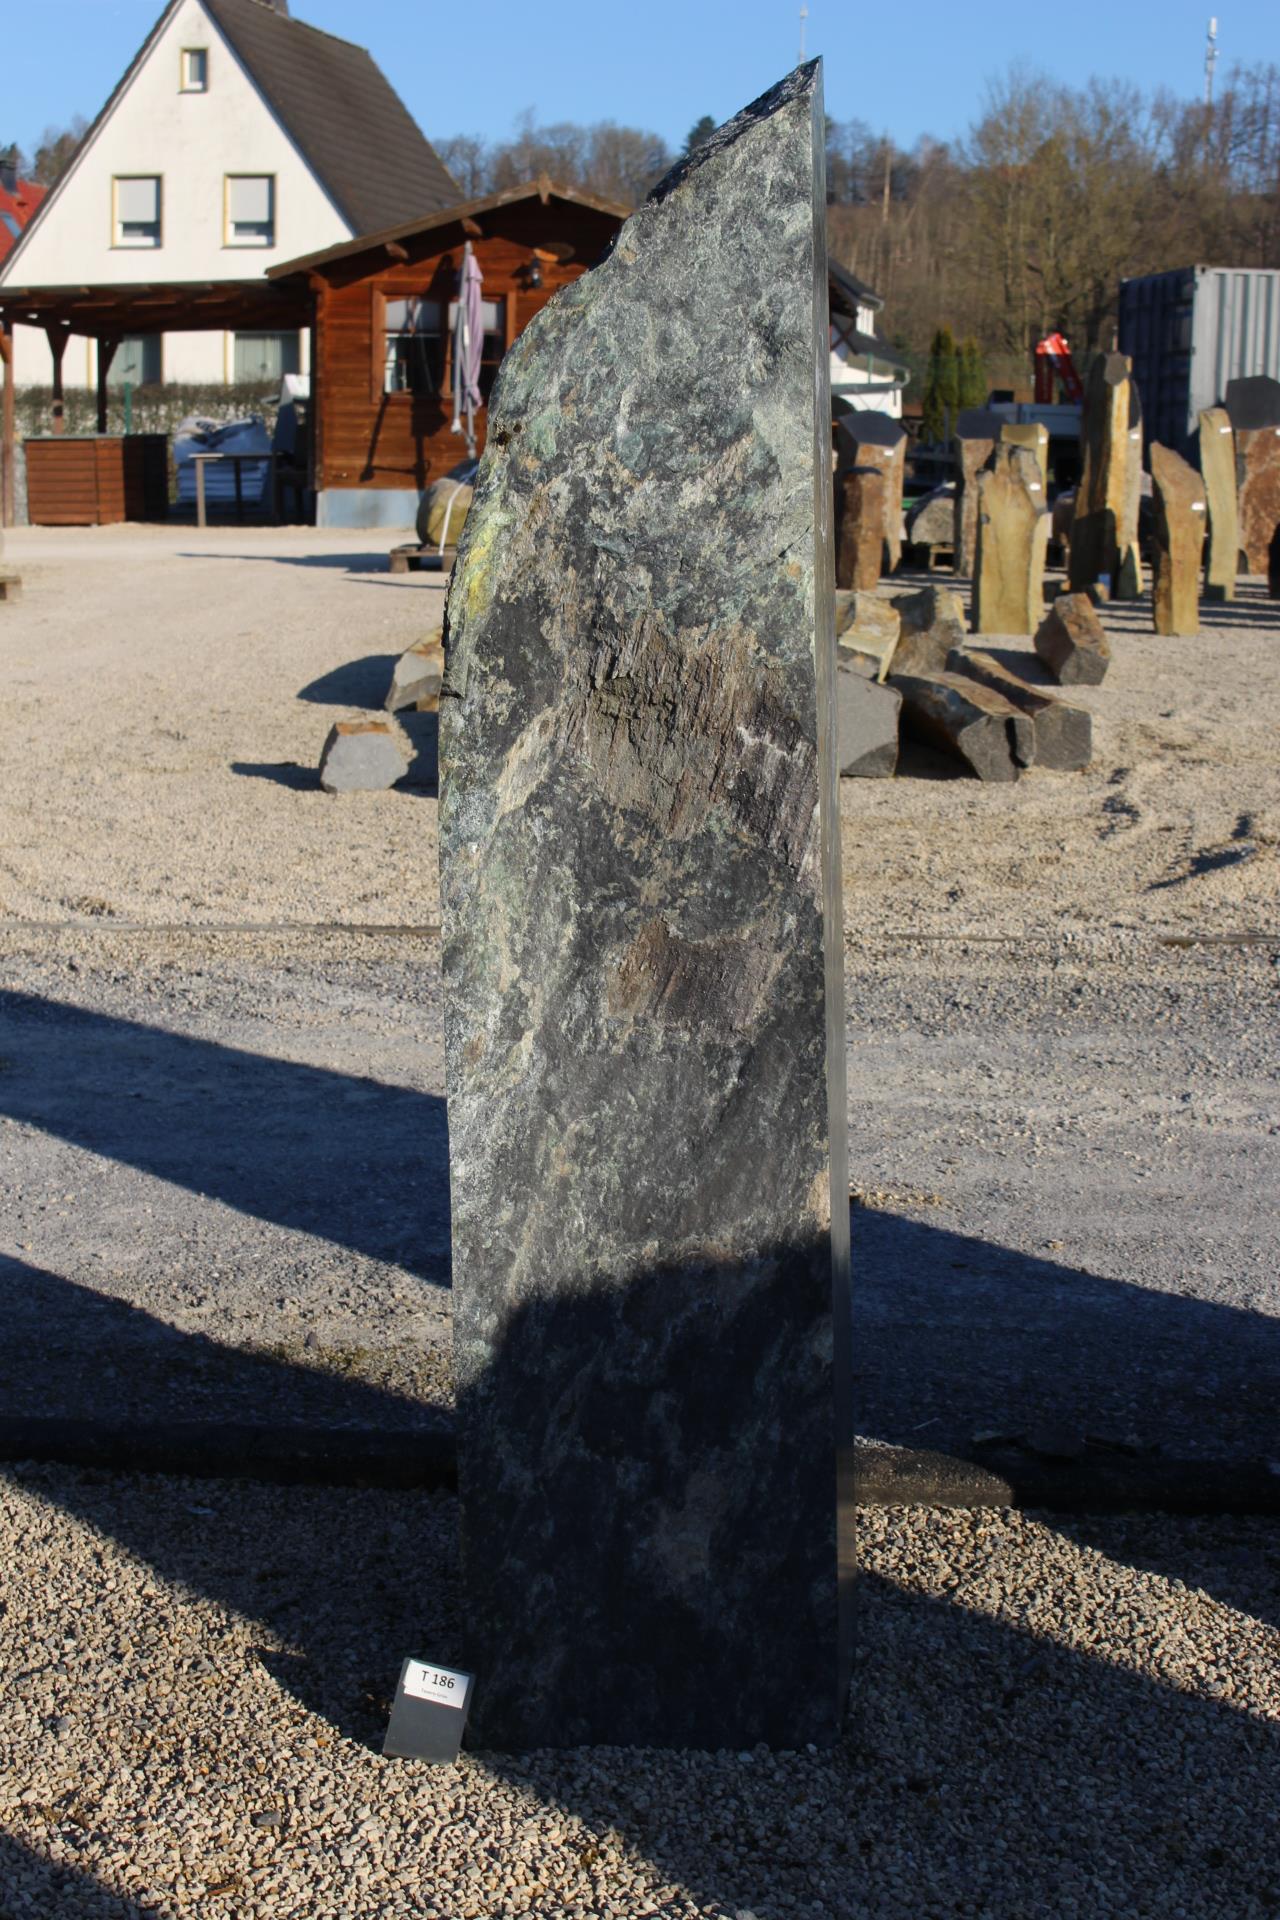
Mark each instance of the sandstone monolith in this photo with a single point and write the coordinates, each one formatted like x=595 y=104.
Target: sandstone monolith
x=868 y=438
x=1063 y=733
x=991 y=736
x=1071 y=642
x=1033 y=437
x=1218 y=472
x=1106 y=501
x=1013 y=534
x=642 y=958
x=860 y=547
x=1253 y=407
x=1177 y=542
x=977 y=430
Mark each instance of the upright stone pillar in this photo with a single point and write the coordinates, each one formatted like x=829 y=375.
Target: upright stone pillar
x=1129 y=581
x=1033 y=437
x=860 y=515
x=1253 y=406
x=1104 y=498
x=866 y=438
x=1013 y=533
x=640 y=869
x=1177 y=542
x=1218 y=471
x=977 y=430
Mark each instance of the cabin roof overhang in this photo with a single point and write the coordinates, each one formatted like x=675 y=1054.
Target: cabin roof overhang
x=173 y=306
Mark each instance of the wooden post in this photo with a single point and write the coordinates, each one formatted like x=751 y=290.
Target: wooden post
x=57 y=338
x=8 y=440
x=107 y=345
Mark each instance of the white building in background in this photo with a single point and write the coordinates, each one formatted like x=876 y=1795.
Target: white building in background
x=865 y=372
x=237 y=138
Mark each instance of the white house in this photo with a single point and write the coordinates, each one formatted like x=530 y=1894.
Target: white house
x=865 y=372
x=237 y=138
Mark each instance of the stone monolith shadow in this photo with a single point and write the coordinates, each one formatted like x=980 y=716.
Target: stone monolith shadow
x=643 y=970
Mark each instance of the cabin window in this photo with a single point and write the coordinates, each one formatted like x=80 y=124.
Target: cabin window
x=413 y=355
x=250 y=210
x=136 y=361
x=195 y=70
x=266 y=356
x=136 y=219
x=417 y=335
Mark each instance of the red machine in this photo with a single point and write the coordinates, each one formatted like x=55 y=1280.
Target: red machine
x=1054 y=362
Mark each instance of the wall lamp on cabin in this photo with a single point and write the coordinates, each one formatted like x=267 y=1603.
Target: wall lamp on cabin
x=533 y=272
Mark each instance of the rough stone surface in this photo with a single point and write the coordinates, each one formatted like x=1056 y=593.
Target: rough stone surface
x=866 y=725
x=991 y=736
x=932 y=521
x=1218 y=472
x=1104 y=529
x=932 y=622
x=1033 y=437
x=860 y=521
x=417 y=676
x=363 y=754
x=867 y=438
x=1013 y=534
x=1177 y=542
x=1253 y=407
x=1063 y=733
x=1071 y=642
x=867 y=621
x=977 y=431
x=443 y=510
x=642 y=957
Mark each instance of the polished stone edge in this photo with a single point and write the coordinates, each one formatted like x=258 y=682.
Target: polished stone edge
x=423 y=1461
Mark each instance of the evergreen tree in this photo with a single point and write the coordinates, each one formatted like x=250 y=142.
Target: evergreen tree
x=973 y=374
x=701 y=130
x=941 y=388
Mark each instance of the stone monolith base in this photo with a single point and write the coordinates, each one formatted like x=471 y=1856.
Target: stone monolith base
x=1013 y=534
x=1218 y=472
x=1177 y=542
x=643 y=972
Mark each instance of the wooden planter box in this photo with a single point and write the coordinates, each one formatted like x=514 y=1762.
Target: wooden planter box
x=95 y=480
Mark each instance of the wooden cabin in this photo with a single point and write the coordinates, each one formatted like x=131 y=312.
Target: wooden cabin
x=382 y=376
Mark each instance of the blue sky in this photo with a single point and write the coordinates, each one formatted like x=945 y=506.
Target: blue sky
x=904 y=68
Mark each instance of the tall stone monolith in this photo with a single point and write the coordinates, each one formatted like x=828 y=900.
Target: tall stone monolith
x=867 y=438
x=1129 y=580
x=1218 y=472
x=1033 y=437
x=640 y=871
x=1013 y=534
x=1253 y=406
x=860 y=516
x=977 y=430
x=1106 y=497
x=1177 y=541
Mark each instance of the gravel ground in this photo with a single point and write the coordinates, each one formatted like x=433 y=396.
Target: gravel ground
x=222 y=1178
x=1075 y=1720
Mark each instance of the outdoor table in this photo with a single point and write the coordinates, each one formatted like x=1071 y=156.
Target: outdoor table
x=201 y=460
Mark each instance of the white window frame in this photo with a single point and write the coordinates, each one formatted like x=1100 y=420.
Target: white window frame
x=186 y=84
x=229 y=235
x=118 y=236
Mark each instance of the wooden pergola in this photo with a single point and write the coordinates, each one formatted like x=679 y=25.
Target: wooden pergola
x=108 y=313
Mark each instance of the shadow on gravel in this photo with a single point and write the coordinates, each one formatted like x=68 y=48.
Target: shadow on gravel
x=360 y=683
x=285 y=773
x=333 y=562
x=32 y=1885
x=967 y=1348
x=353 y=1161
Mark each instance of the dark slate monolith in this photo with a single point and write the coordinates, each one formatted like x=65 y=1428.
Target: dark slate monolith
x=642 y=960
x=1218 y=471
x=1253 y=407
x=1177 y=542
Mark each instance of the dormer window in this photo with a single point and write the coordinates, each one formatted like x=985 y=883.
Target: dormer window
x=250 y=210
x=195 y=70
x=136 y=221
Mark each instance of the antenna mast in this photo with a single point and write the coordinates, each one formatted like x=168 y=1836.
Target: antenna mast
x=1210 y=59
x=804 y=15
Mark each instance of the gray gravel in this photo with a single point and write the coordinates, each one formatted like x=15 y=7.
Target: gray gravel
x=1075 y=1720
